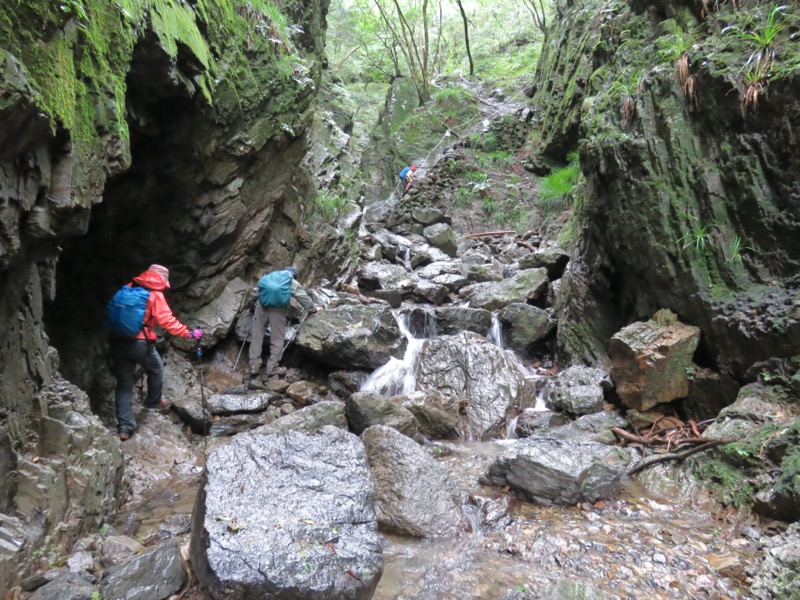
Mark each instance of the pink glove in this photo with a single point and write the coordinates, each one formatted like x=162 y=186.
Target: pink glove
x=196 y=334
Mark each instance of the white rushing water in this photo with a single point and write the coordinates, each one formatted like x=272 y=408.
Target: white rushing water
x=397 y=376
x=495 y=334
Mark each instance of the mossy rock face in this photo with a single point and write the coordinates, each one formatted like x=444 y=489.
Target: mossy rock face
x=688 y=197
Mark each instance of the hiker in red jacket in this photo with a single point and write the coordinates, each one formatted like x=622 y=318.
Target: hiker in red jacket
x=128 y=351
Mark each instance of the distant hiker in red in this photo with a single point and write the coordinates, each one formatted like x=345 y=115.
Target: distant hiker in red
x=132 y=317
x=275 y=292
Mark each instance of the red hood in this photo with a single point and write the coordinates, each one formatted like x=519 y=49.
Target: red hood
x=150 y=280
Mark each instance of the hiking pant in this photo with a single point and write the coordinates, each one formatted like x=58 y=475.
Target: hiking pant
x=278 y=320
x=125 y=355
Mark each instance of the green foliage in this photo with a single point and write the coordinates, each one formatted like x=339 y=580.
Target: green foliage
x=675 y=44
x=96 y=595
x=626 y=91
x=475 y=176
x=488 y=205
x=736 y=249
x=697 y=238
x=455 y=95
x=463 y=197
x=762 y=35
x=501 y=158
x=556 y=188
x=329 y=205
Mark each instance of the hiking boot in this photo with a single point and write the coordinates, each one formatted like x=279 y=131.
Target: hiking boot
x=160 y=406
x=124 y=434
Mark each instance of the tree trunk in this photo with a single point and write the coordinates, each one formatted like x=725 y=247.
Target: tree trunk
x=466 y=37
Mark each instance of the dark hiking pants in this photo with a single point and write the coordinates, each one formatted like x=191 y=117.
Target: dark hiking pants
x=125 y=355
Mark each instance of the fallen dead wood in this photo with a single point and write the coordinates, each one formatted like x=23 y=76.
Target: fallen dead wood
x=526 y=245
x=487 y=234
x=676 y=455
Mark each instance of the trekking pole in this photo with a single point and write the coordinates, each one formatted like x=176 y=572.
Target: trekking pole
x=202 y=397
x=296 y=331
x=247 y=335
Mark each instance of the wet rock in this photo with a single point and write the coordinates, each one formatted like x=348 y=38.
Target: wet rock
x=779 y=575
x=155 y=575
x=34 y=582
x=437 y=416
x=559 y=472
x=578 y=390
x=344 y=383
x=424 y=255
x=709 y=393
x=452 y=281
x=70 y=586
x=573 y=590
x=437 y=269
x=593 y=428
x=442 y=237
x=483 y=273
x=216 y=319
x=467 y=367
x=652 y=360
x=530 y=421
x=526 y=326
x=190 y=410
x=302 y=392
x=364 y=409
x=352 y=337
x=551 y=258
x=452 y=320
x=413 y=493
x=227 y=404
x=395 y=248
x=428 y=215
x=309 y=419
x=380 y=276
x=427 y=291
x=233 y=424
x=310 y=496
x=523 y=287
x=392 y=297
x=8 y=466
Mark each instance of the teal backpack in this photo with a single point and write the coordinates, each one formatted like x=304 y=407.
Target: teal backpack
x=275 y=289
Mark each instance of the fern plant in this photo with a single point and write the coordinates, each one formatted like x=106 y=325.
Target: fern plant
x=674 y=48
x=626 y=92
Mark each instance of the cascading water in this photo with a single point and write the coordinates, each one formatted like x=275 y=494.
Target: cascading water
x=397 y=376
x=495 y=334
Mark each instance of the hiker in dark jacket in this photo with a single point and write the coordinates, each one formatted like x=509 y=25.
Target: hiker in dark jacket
x=127 y=352
x=278 y=319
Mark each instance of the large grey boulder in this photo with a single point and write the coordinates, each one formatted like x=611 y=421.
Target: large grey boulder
x=525 y=326
x=287 y=516
x=551 y=258
x=217 y=318
x=364 y=409
x=531 y=422
x=452 y=320
x=414 y=494
x=651 y=360
x=154 y=575
x=469 y=368
x=443 y=237
x=578 y=390
x=352 y=337
x=551 y=471
x=380 y=275
x=437 y=415
x=309 y=419
x=590 y=428
x=525 y=286
x=69 y=586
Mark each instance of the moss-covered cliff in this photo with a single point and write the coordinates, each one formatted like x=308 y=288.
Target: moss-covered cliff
x=133 y=132
x=686 y=118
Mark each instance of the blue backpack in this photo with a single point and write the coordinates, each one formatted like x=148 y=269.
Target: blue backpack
x=404 y=172
x=275 y=289
x=125 y=311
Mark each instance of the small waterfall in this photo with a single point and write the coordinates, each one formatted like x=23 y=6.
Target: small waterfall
x=407 y=259
x=531 y=375
x=397 y=376
x=511 y=426
x=495 y=334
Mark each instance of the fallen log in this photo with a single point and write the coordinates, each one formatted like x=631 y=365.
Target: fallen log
x=471 y=236
x=648 y=462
